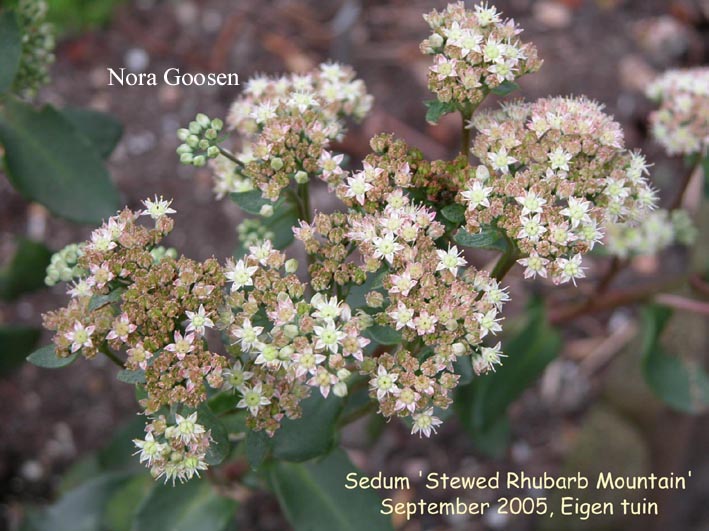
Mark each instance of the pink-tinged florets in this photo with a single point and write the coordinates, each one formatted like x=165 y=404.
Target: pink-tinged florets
x=552 y=174
x=474 y=52
x=681 y=124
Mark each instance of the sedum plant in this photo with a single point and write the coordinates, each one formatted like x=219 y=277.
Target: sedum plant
x=267 y=356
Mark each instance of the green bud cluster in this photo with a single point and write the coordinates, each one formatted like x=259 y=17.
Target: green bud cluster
x=37 y=47
x=200 y=140
x=63 y=265
x=160 y=252
x=253 y=232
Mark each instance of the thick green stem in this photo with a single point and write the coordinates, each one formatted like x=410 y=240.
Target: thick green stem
x=304 y=196
x=506 y=262
x=228 y=154
x=111 y=356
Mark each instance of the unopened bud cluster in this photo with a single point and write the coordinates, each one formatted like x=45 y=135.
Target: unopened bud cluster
x=63 y=266
x=37 y=47
x=200 y=140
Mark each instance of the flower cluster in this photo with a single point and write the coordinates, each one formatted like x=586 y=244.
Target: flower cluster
x=175 y=451
x=552 y=174
x=126 y=300
x=63 y=266
x=442 y=309
x=474 y=52
x=37 y=47
x=285 y=126
x=681 y=124
x=286 y=343
x=201 y=140
x=655 y=232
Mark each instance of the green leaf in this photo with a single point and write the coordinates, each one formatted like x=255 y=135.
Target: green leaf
x=101 y=129
x=118 y=453
x=219 y=447
x=505 y=88
x=373 y=282
x=384 y=335
x=184 y=507
x=131 y=377
x=48 y=161
x=17 y=342
x=26 y=270
x=47 y=358
x=251 y=201
x=454 y=213
x=681 y=385
x=435 y=109
x=81 y=509
x=10 y=49
x=281 y=224
x=488 y=238
x=258 y=446
x=314 y=498
x=121 y=507
x=99 y=301
x=311 y=435
x=482 y=403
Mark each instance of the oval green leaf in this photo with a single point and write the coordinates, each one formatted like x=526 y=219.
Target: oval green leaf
x=184 y=507
x=48 y=161
x=10 y=49
x=47 y=358
x=314 y=498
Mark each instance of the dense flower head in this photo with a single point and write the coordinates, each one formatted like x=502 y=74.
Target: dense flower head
x=131 y=299
x=176 y=450
x=681 y=124
x=443 y=309
x=285 y=342
x=285 y=126
x=474 y=52
x=552 y=174
x=655 y=232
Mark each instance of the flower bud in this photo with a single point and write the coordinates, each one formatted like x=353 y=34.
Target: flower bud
x=204 y=144
x=210 y=134
x=458 y=349
x=435 y=40
x=183 y=133
x=203 y=120
x=199 y=161
x=340 y=389
x=290 y=331
x=183 y=148
x=301 y=177
x=286 y=353
x=194 y=128
x=186 y=158
x=291 y=265
x=266 y=211
x=213 y=152
x=276 y=163
x=217 y=124
x=374 y=299
x=192 y=141
x=343 y=374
